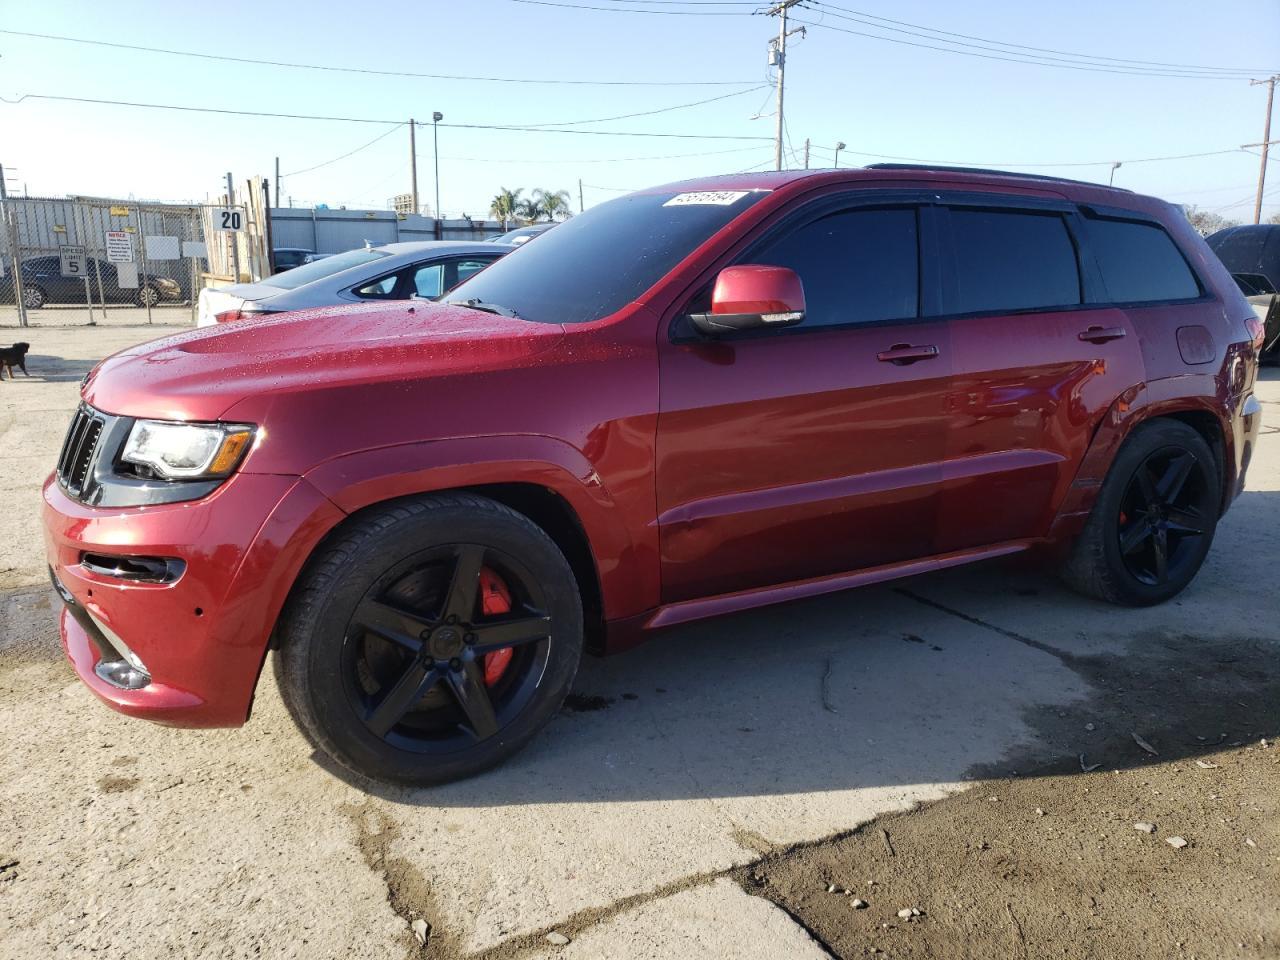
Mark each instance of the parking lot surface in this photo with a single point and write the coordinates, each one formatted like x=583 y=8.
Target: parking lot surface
x=698 y=795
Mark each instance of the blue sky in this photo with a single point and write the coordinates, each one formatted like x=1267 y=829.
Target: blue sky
x=878 y=97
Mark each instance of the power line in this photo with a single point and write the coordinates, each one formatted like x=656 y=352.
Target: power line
x=860 y=16
x=1068 y=163
x=992 y=50
x=310 y=116
x=368 y=70
x=694 y=3
x=1027 y=59
x=665 y=13
x=1245 y=200
x=347 y=154
x=649 y=113
x=577 y=160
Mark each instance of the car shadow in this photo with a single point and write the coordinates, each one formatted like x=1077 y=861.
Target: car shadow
x=991 y=670
x=52 y=369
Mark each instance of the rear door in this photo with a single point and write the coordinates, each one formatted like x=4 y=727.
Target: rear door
x=1037 y=360
x=814 y=450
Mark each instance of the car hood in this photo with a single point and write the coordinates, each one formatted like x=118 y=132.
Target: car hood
x=202 y=373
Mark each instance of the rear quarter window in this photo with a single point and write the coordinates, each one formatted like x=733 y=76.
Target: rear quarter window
x=1140 y=263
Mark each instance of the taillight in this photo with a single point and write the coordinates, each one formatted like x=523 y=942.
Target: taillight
x=1257 y=331
x=228 y=315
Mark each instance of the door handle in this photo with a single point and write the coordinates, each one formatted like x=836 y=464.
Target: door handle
x=904 y=353
x=1102 y=334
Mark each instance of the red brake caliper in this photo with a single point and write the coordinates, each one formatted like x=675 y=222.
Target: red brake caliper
x=495 y=600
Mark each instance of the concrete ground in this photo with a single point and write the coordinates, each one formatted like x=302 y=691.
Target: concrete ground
x=629 y=828
x=71 y=315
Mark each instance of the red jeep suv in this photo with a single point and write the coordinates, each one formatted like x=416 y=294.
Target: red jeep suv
x=695 y=399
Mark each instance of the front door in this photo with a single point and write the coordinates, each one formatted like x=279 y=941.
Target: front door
x=813 y=450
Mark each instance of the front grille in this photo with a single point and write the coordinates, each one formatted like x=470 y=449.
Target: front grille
x=78 y=450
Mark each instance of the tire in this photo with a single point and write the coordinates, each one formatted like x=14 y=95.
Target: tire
x=33 y=297
x=1117 y=556
x=148 y=296
x=376 y=674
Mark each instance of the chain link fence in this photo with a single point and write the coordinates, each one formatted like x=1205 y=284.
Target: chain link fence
x=87 y=260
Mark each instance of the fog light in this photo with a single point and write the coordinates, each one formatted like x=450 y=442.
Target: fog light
x=120 y=673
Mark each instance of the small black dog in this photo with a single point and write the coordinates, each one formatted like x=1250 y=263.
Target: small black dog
x=15 y=356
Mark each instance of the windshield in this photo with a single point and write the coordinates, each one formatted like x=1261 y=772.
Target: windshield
x=524 y=234
x=598 y=262
x=327 y=267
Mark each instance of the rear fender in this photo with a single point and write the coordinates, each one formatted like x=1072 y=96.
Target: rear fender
x=1140 y=403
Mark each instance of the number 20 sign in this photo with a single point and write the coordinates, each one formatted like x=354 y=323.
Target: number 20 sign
x=228 y=218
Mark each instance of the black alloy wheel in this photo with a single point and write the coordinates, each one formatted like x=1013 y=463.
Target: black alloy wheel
x=1154 y=519
x=1164 y=515
x=429 y=638
x=419 y=649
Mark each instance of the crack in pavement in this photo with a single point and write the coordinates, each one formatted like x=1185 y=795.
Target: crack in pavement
x=1062 y=655
x=408 y=891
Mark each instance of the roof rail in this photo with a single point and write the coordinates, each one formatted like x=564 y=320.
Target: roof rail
x=984 y=170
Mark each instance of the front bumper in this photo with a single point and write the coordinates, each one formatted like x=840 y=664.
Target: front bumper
x=203 y=636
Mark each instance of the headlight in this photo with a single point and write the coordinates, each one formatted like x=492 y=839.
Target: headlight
x=187 y=451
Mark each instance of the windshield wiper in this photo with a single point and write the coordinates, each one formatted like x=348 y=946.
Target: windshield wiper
x=475 y=303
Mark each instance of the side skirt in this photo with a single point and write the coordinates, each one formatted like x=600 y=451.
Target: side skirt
x=624 y=634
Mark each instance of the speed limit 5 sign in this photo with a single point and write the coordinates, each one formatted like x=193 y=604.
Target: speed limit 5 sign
x=72 y=261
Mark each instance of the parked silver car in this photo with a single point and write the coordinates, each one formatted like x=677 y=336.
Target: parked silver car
x=393 y=271
x=514 y=238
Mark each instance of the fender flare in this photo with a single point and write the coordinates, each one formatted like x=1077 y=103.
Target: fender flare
x=1197 y=393
x=627 y=571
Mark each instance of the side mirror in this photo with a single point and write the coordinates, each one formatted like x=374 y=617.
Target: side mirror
x=752 y=297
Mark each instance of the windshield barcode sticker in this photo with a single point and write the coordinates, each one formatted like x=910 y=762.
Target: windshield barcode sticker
x=714 y=198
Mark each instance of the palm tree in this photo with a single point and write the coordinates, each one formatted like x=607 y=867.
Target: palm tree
x=530 y=210
x=554 y=204
x=505 y=206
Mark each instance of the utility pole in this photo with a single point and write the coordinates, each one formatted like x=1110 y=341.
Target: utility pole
x=839 y=147
x=14 y=259
x=435 y=140
x=806 y=153
x=581 y=206
x=413 y=165
x=277 y=193
x=235 y=236
x=779 y=59
x=1266 y=143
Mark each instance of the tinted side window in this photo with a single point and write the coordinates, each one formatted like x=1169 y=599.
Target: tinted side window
x=466 y=269
x=1140 y=263
x=857 y=266
x=1012 y=261
x=379 y=289
x=428 y=280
